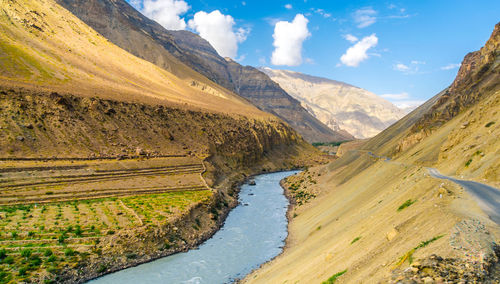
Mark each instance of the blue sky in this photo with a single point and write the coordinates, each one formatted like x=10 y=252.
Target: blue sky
x=407 y=51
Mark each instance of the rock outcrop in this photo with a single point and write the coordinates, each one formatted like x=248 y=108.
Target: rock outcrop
x=478 y=77
x=339 y=105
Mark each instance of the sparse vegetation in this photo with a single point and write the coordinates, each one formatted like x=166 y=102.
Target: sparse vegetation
x=406 y=204
x=332 y=144
x=489 y=124
x=102 y=268
x=298 y=188
x=468 y=163
x=69 y=252
x=355 y=240
x=334 y=277
x=409 y=255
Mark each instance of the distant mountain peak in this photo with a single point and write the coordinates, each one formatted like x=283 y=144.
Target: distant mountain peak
x=339 y=105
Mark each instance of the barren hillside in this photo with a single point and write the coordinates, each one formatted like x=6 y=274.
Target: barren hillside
x=129 y=29
x=377 y=215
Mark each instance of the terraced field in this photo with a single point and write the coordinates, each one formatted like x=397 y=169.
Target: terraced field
x=54 y=214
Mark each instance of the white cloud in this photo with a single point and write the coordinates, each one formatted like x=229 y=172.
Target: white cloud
x=241 y=58
x=411 y=68
x=408 y=105
x=289 y=6
x=357 y=53
x=450 y=66
x=401 y=67
x=401 y=96
x=166 y=12
x=365 y=17
x=351 y=38
x=136 y=4
x=288 y=40
x=310 y=61
x=218 y=29
x=403 y=101
x=322 y=13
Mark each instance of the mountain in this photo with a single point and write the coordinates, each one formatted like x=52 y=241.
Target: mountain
x=378 y=214
x=337 y=104
x=47 y=53
x=129 y=29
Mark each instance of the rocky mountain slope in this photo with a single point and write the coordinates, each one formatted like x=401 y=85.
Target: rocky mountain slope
x=478 y=78
x=59 y=53
x=337 y=104
x=379 y=216
x=129 y=29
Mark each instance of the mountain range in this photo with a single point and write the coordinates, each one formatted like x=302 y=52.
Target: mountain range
x=339 y=105
x=127 y=28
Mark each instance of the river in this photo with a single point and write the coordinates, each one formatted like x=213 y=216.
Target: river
x=254 y=233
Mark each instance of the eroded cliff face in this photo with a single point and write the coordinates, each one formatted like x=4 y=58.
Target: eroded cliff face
x=127 y=28
x=41 y=125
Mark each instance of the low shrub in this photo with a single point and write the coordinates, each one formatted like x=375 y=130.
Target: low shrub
x=334 y=277
x=355 y=240
x=407 y=203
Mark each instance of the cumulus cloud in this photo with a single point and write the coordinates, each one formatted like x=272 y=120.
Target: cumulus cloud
x=351 y=38
x=218 y=29
x=289 y=6
x=288 y=40
x=358 y=52
x=400 y=96
x=450 y=66
x=166 y=12
x=365 y=17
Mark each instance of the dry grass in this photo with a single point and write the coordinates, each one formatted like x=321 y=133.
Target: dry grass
x=43 y=46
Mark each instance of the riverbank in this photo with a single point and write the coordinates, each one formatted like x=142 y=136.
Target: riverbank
x=371 y=227
x=96 y=185
x=145 y=244
x=253 y=232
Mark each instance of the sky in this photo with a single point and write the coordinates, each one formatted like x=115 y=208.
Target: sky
x=405 y=51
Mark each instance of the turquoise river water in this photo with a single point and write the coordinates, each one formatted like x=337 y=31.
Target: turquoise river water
x=254 y=233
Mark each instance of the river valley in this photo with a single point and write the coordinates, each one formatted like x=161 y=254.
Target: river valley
x=254 y=233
